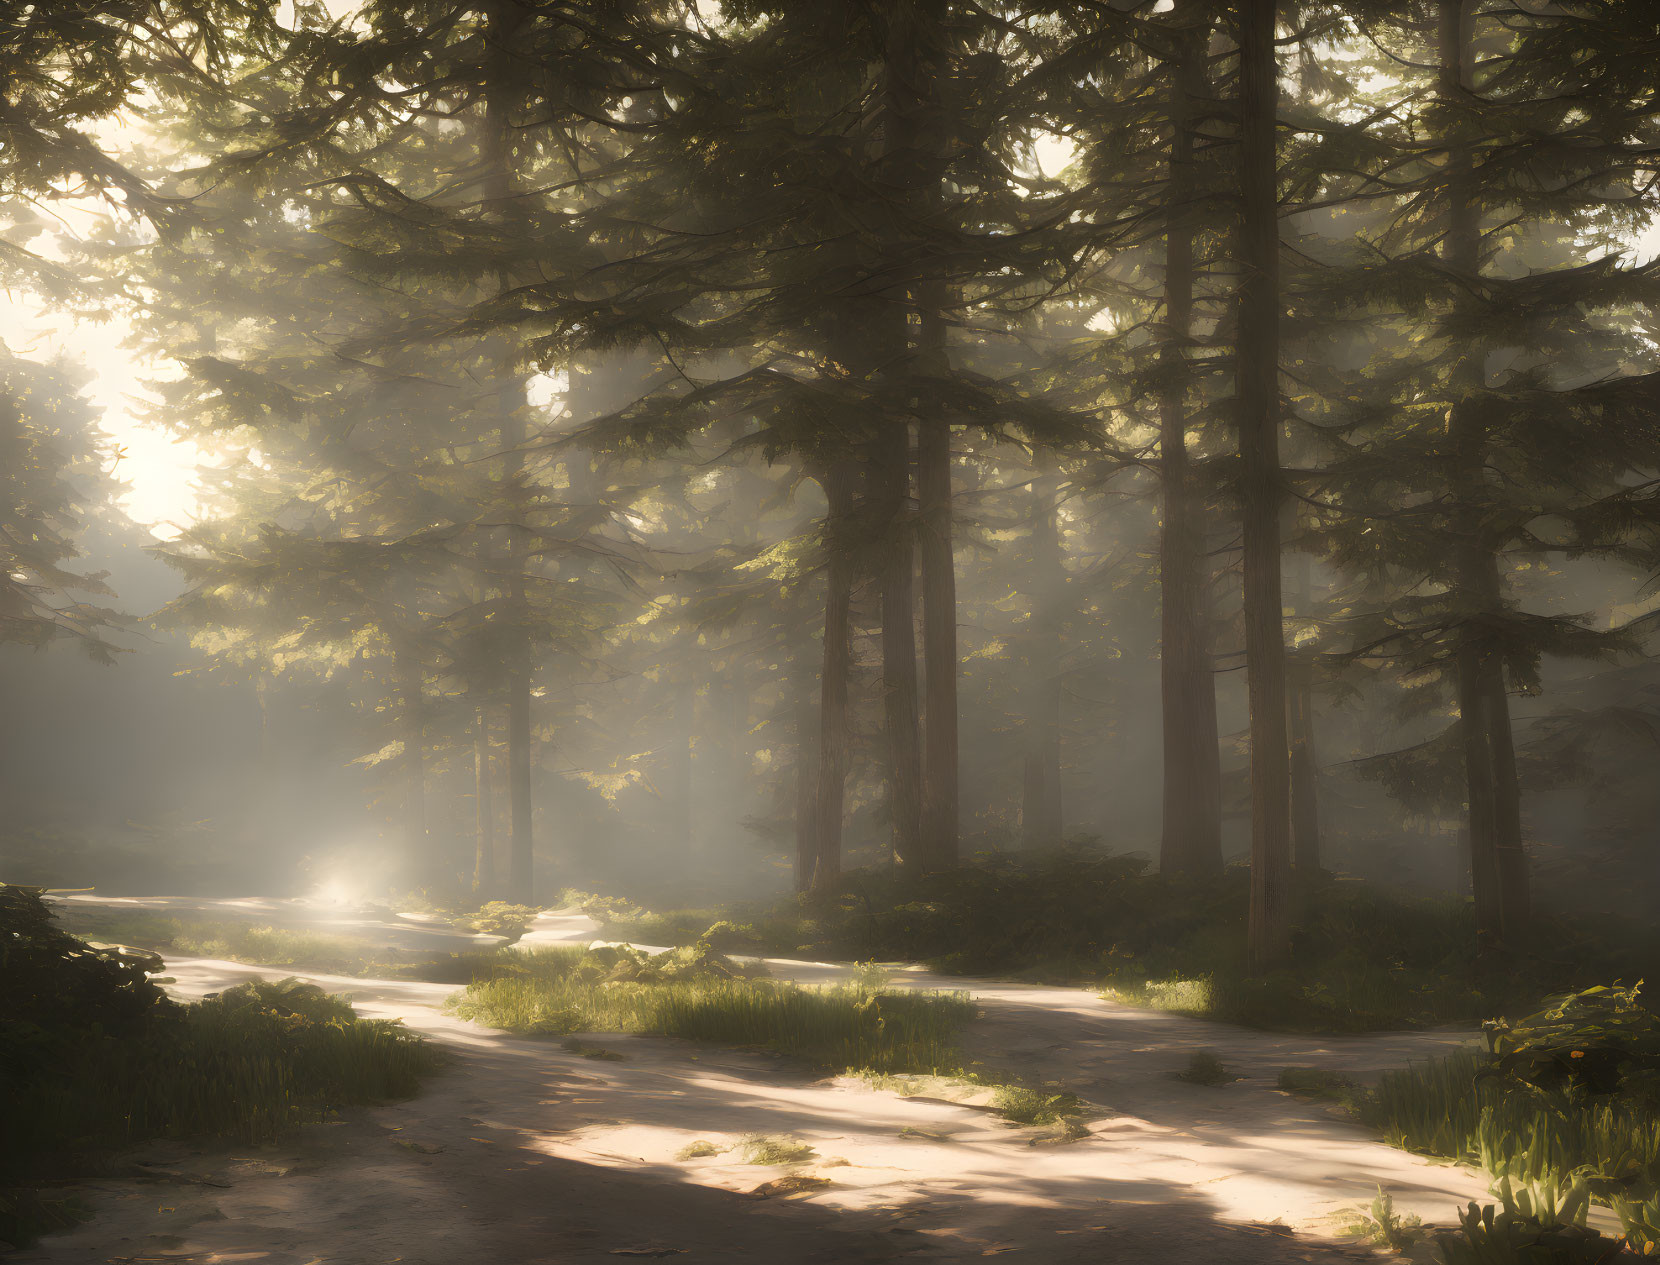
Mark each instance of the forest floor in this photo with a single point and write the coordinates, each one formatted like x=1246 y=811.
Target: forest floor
x=526 y=1152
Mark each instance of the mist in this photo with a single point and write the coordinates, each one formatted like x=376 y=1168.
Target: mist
x=1023 y=564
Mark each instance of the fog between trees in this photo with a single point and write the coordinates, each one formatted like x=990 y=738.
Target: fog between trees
x=692 y=450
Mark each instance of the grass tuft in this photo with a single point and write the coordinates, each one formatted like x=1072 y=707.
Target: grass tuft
x=697 y=1150
x=1383 y=1227
x=1204 y=1068
x=1316 y=1082
x=1022 y=1105
x=774 y=1148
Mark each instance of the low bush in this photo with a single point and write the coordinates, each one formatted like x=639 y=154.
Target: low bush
x=1316 y=1082
x=498 y=918
x=774 y=1148
x=1021 y=1104
x=1383 y=1226
x=1489 y=1236
x=1204 y=1068
x=94 y=1056
x=1524 y=1109
x=1558 y=1110
x=1364 y=957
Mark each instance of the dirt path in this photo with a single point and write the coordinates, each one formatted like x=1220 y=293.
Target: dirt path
x=526 y=1153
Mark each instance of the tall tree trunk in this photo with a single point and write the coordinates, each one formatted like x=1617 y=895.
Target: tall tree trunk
x=1041 y=803
x=1192 y=835
x=520 y=862
x=940 y=827
x=1498 y=864
x=681 y=812
x=407 y=665
x=735 y=775
x=521 y=856
x=1305 y=761
x=805 y=685
x=891 y=473
x=484 y=807
x=839 y=491
x=916 y=134
x=1305 y=766
x=1481 y=808
x=1515 y=882
x=504 y=19
x=1261 y=485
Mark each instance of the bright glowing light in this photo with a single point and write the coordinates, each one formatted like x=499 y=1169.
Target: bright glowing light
x=159 y=473
x=335 y=893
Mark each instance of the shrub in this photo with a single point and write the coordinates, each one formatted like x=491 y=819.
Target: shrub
x=774 y=1148
x=59 y=995
x=1363 y=957
x=1488 y=1237
x=1385 y=1227
x=500 y=918
x=96 y=1056
x=1023 y=1105
x=1591 y=1040
x=697 y=1150
x=1204 y=1068
x=1315 y=1082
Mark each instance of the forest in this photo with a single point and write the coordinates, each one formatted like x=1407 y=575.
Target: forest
x=829 y=631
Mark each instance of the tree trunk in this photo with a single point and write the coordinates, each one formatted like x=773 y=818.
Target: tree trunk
x=681 y=814
x=1261 y=486
x=1498 y=863
x=839 y=491
x=915 y=138
x=1192 y=835
x=1515 y=884
x=1305 y=767
x=735 y=776
x=521 y=808
x=503 y=19
x=1305 y=761
x=940 y=826
x=416 y=843
x=1041 y=804
x=1480 y=806
x=484 y=805
x=520 y=863
x=806 y=772
x=891 y=472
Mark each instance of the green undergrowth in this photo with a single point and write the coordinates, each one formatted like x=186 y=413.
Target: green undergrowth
x=774 y=1148
x=286 y=948
x=1383 y=1227
x=95 y=1057
x=1562 y=1108
x=1204 y=1068
x=698 y=994
x=1364 y=957
x=1015 y=1102
x=1317 y=1082
x=234 y=940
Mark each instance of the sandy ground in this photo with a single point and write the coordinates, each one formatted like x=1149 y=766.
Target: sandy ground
x=523 y=1152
